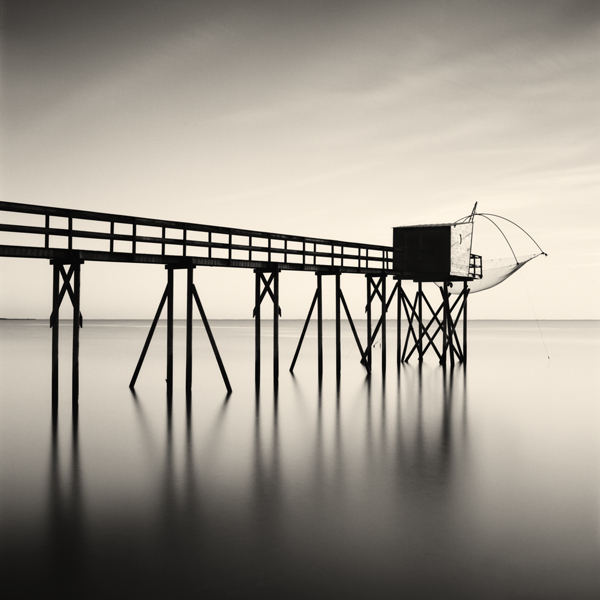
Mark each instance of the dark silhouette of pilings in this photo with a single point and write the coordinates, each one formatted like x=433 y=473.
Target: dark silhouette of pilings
x=264 y=286
x=444 y=320
x=168 y=298
x=340 y=302
x=60 y=275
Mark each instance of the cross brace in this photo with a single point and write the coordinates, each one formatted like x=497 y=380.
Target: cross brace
x=60 y=275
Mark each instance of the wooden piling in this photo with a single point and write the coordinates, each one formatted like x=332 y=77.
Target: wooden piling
x=257 y=301
x=276 y=328
x=54 y=323
x=399 y=325
x=464 y=348
x=170 y=331
x=420 y=317
x=383 y=325
x=320 y=326
x=338 y=329
x=189 y=329
x=368 y=346
x=76 y=311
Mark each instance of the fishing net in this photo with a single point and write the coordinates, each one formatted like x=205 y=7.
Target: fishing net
x=497 y=270
x=494 y=271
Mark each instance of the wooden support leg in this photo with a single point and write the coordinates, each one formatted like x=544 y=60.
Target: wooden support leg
x=189 y=330
x=149 y=338
x=464 y=348
x=353 y=328
x=399 y=325
x=211 y=339
x=257 y=301
x=420 y=317
x=276 y=329
x=411 y=330
x=55 y=324
x=170 y=332
x=76 y=311
x=310 y=312
x=383 y=326
x=320 y=326
x=368 y=348
x=338 y=329
x=445 y=324
x=450 y=333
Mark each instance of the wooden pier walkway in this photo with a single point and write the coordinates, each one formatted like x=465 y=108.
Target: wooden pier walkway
x=69 y=237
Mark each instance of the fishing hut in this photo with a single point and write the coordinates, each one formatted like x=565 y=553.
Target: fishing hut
x=439 y=254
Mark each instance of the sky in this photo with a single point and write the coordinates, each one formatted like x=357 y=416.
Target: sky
x=326 y=119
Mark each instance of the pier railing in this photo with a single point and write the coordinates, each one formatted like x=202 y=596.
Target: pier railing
x=50 y=232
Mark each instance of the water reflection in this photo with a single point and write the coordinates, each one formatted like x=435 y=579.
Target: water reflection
x=434 y=485
x=65 y=503
x=351 y=502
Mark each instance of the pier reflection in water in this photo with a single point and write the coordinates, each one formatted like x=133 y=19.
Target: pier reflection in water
x=369 y=489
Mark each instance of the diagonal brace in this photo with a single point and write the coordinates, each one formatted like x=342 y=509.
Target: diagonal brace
x=211 y=339
x=148 y=339
x=310 y=312
x=379 y=322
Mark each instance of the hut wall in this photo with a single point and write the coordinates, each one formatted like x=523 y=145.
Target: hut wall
x=461 y=239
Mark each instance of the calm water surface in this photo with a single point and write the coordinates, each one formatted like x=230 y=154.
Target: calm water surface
x=431 y=484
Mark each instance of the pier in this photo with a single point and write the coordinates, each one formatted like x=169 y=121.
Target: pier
x=69 y=238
